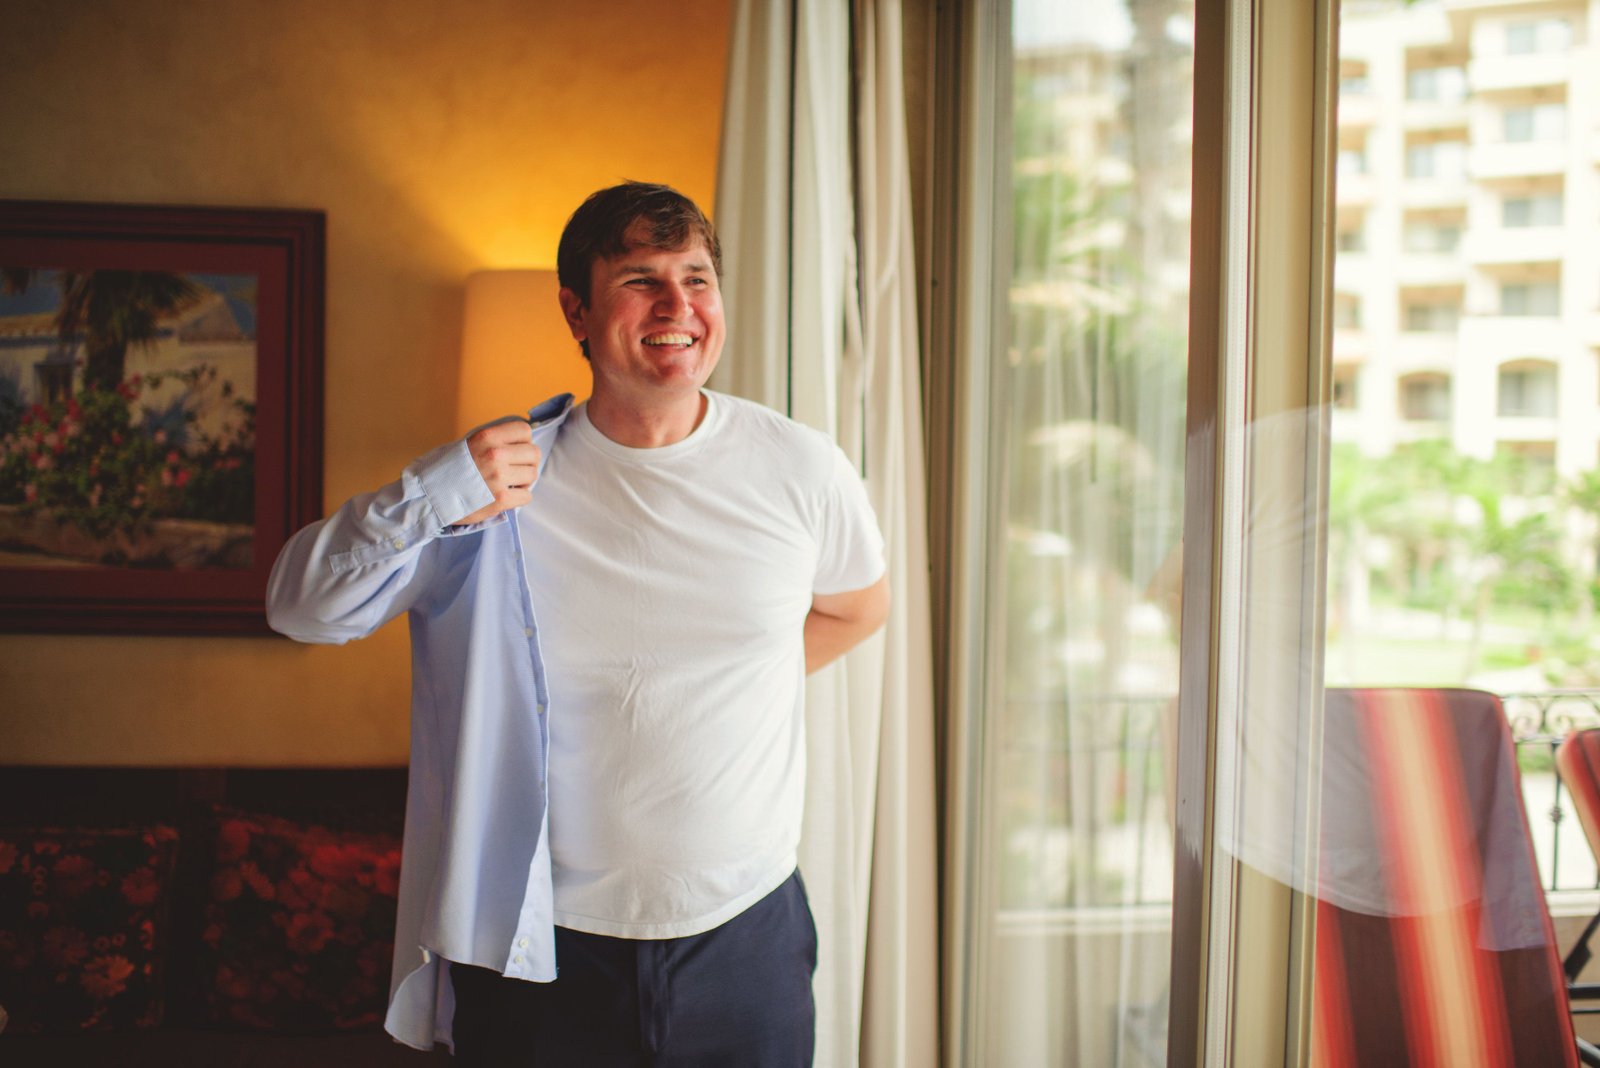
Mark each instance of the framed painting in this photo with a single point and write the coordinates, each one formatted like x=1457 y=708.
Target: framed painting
x=160 y=412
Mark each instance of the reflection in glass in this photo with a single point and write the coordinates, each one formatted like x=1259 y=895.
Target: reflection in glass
x=1464 y=511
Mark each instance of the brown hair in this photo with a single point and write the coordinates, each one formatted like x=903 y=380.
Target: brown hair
x=599 y=228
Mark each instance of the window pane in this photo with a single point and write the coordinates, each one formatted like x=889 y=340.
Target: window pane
x=1530 y=298
x=1453 y=557
x=1075 y=936
x=1425 y=397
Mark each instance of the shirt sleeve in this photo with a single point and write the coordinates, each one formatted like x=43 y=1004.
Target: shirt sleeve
x=850 y=545
x=345 y=576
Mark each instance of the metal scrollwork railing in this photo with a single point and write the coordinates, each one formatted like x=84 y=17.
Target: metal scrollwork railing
x=1539 y=721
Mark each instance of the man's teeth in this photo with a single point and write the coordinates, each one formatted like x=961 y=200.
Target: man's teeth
x=669 y=339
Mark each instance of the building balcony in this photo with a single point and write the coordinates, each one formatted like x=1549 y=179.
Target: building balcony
x=1356 y=189
x=1516 y=159
x=1503 y=74
x=1497 y=337
x=1352 y=271
x=1514 y=245
x=1434 y=114
x=1425 y=350
x=1410 y=431
x=1525 y=428
x=1357 y=111
x=1433 y=193
x=1351 y=346
x=1430 y=269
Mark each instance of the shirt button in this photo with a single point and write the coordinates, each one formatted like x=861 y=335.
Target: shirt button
x=527 y=632
x=517 y=959
x=399 y=543
x=522 y=943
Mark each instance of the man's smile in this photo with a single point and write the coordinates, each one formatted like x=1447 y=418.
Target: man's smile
x=683 y=340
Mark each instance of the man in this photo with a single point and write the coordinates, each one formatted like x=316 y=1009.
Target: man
x=612 y=607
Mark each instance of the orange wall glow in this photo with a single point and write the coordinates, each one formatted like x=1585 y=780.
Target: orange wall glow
x=440 y=141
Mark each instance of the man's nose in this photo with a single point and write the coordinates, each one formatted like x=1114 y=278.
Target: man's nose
x=673 y=303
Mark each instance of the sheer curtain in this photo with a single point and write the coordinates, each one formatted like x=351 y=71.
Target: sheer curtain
x=822 y=325
x=1067 y=898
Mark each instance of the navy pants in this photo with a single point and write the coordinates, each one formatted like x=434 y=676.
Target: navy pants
x=738 y=995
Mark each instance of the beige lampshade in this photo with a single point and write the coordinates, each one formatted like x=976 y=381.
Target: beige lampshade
x=516 y=349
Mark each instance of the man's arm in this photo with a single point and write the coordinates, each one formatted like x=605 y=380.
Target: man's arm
x=838 y=622
x=344 y=576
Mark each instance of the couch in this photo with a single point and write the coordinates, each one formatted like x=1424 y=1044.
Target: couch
x=215 y=916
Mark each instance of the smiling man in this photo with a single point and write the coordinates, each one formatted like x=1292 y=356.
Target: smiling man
x=613 y=606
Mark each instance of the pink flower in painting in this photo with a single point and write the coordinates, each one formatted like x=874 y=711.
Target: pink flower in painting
x=172 y=457
x=8 y=857
x=166 y=476
x=43 y=462
x=180 y=478
x=95 y=494
x=160 y=438
x=30 y=493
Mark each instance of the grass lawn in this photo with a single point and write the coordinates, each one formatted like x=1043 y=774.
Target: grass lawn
x=1376 y=660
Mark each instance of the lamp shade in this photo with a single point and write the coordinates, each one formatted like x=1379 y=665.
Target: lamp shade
x=516 y=349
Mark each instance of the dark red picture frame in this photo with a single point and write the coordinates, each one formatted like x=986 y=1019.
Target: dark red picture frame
x=285 y=251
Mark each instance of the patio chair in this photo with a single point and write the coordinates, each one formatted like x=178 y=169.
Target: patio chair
x=1433 y=941
x=1578 y=764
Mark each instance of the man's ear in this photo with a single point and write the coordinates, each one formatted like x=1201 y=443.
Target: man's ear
x=572 y=310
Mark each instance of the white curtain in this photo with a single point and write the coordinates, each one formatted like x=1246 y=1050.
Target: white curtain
x=820 y=292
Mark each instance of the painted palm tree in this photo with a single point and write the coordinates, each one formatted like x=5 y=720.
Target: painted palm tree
x=110 y=311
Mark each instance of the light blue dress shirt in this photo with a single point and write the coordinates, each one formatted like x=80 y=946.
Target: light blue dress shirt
x=475 y=881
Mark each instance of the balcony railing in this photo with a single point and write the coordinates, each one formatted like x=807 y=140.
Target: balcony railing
x=1539 y=721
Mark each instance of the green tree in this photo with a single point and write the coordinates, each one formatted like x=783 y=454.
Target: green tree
x=110 y=311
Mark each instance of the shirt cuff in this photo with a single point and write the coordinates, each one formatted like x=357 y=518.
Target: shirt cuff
x=451 y=483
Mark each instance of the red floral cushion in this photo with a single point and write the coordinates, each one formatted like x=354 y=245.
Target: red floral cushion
x=297 y=932
x=83 y=927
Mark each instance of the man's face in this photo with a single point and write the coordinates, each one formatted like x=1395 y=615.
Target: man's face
x=653 y=323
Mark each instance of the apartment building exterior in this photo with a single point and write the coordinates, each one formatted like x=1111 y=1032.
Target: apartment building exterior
x=1467 y=278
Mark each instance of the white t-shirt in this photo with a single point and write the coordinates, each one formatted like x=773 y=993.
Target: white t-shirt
x=674 y=584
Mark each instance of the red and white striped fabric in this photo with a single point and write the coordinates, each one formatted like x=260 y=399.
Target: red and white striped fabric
x=1459 y=966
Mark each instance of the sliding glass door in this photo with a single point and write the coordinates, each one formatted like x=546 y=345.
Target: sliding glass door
x=1138 y=338
x=1075 y=744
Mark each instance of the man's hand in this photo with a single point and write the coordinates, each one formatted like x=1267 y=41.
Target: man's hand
x=838 y=622
x=508 y=460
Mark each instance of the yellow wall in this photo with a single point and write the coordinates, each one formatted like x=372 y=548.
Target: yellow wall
x=440 y=139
